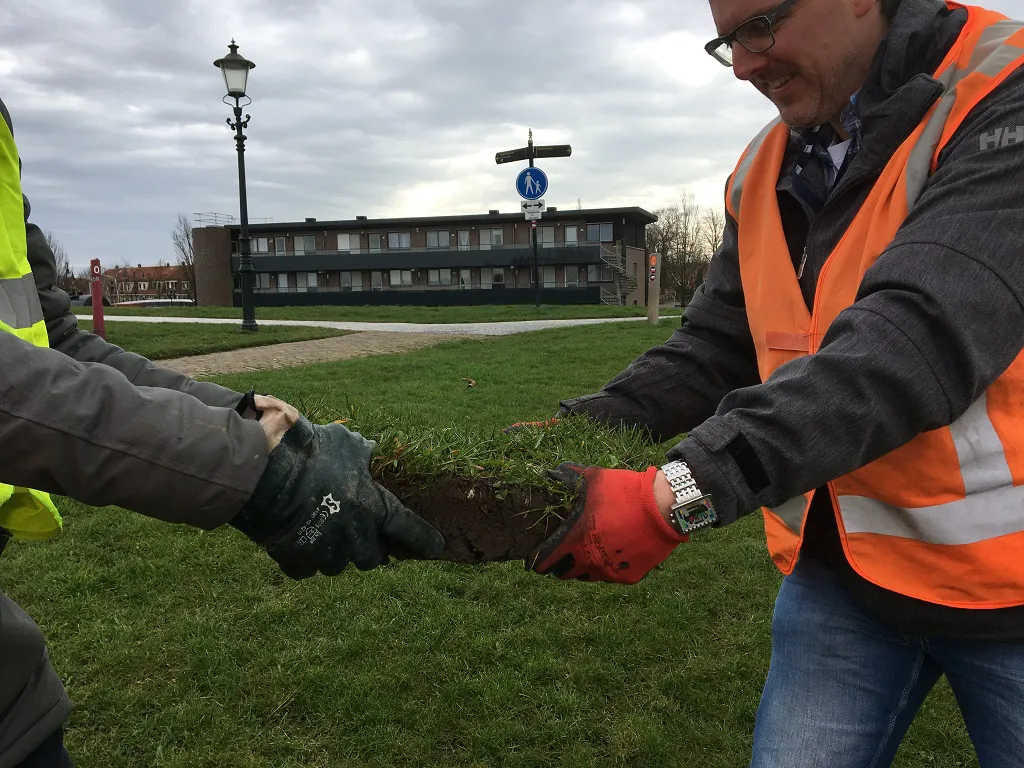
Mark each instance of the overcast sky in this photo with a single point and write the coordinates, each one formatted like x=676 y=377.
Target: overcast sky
x=373 y=107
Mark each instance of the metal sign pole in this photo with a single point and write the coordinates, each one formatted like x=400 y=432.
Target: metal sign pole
x=534 y=190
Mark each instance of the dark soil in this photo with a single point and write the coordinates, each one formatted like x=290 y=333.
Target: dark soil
x=482 y=520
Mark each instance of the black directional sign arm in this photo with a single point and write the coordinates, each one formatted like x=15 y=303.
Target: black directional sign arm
x=511 y=156
x=553 y=150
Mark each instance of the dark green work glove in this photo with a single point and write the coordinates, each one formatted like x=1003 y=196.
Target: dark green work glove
x=317 y=508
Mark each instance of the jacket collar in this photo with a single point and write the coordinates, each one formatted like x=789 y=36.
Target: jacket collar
x=899 y=88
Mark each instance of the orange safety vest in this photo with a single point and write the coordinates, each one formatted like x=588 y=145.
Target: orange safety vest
x=940 y=519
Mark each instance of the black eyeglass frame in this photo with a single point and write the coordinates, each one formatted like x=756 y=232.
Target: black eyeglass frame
x=777 y=14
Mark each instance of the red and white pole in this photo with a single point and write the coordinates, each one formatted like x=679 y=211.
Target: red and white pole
x=96 y=287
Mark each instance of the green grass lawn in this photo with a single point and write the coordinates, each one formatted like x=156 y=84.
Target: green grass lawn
x=403 y=314
x=163 y=341
x=188 y=649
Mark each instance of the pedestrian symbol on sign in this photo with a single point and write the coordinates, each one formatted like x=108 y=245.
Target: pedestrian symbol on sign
x=532 y=183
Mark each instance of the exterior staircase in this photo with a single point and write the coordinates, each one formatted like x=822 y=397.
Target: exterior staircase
x=625 y=282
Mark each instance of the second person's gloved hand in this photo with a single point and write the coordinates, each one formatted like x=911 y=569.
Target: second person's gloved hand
x=615 y=531
x=317 y=508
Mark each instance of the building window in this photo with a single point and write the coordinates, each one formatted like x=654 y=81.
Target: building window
x=376 y=280
x=491 y=237
x=446 y=277
x=279 y=246
x=440 y=238
x=548 y=277
x=401 y=277
x=571 y=235
x=304 y=244
x=498 y=276
x=599 y=273
x=464 y=279
x=399 y=241
x=263 y=280
x=546 y=236
x=375 y=242
x=572 y=276
x=282 y=282
x=348 y=243
x=259 y=245
x=599 y=233
x=463 y=235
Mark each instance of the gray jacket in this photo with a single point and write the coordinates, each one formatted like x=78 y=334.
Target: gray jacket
x=88 y=420
x=937 y=319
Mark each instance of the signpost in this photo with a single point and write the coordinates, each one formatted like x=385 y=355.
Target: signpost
x=96 y=291
x=654 y=289
x=532 y=184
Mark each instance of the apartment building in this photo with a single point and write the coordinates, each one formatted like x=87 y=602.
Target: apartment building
x=587 y=256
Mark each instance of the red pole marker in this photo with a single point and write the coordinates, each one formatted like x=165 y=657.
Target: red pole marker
x=96 y=286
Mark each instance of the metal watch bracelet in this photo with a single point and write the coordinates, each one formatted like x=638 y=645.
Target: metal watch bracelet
x=692 y=509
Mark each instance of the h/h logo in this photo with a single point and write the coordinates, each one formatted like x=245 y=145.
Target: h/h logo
x=1002 y=137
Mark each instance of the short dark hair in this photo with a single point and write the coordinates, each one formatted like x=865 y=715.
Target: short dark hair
x=889 y=8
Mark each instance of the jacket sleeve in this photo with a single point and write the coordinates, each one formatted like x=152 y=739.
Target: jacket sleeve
x=83 y=430
x=65 y=335
x=673 y=387
x=938 y=317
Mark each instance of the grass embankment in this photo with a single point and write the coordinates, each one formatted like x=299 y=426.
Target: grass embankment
x=403 y=314
x=163 y=341
x=184 y=648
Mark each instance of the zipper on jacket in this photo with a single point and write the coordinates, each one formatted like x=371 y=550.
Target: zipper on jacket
x=803 y=263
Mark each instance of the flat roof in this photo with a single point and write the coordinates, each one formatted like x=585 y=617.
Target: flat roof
x=633 y=212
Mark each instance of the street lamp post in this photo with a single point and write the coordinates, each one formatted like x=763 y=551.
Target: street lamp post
x=235 y=69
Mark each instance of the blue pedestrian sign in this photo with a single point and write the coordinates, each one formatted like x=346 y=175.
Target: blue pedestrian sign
x=532 y=183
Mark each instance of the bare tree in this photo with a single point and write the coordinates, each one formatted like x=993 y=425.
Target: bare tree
x=181 y=236
x=64 y=275
x=712 y=225
x=677 y=237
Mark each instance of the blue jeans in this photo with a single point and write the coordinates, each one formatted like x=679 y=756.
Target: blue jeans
x=843 y=687
x=49 y=754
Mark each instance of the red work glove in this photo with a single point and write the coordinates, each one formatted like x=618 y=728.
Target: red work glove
x=615 y=532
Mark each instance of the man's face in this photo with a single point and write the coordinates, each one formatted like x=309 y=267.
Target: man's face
x=813 y=68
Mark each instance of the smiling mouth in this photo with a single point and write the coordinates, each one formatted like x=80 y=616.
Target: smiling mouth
x=770 y=86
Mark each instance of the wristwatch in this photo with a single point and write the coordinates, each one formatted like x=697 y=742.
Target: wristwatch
x=692 y=509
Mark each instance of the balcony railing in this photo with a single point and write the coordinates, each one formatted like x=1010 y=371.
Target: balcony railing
x=412 y=288
x=453 y=247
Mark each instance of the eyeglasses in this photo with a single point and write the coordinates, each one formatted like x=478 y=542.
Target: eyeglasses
x=754 y=34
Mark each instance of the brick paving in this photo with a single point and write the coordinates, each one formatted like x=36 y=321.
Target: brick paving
x=305 y=352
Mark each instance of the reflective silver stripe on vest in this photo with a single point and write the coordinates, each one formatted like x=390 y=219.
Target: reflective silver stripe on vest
x=977 y=518
x=792 y=513
x=991 y=56
x=740 y=175
x=19 y=302
x=983 y=462
x=993 y=507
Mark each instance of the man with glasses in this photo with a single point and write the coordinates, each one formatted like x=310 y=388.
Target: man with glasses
x=853 y=365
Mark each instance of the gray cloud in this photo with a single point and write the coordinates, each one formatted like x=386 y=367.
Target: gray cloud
x=382 y=109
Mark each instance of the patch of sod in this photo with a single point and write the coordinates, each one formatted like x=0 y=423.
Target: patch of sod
x=164 y=341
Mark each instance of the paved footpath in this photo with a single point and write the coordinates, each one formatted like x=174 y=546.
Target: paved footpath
x=303 y=352
x=458 y=329
x=369 y=339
